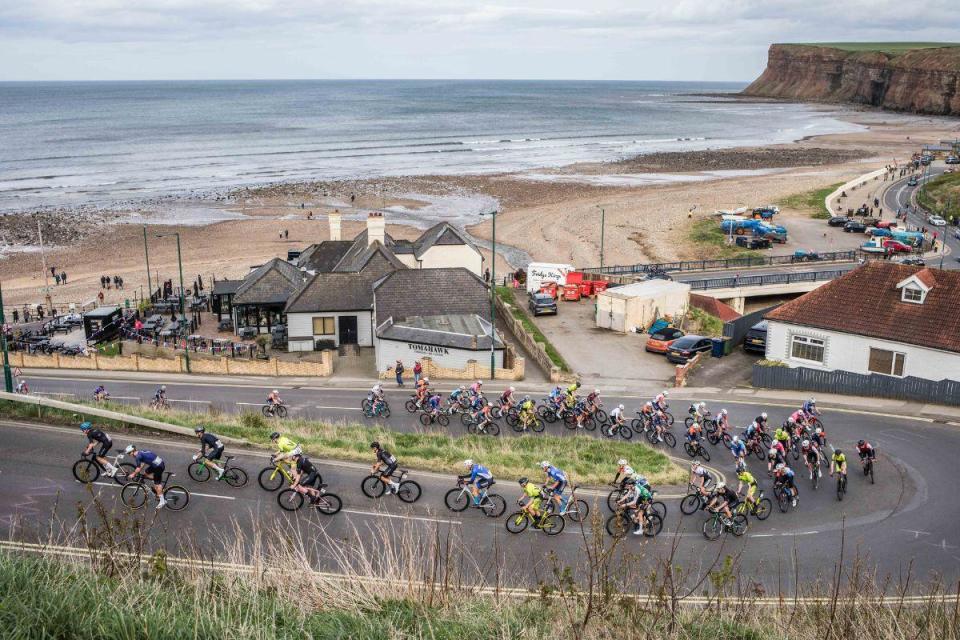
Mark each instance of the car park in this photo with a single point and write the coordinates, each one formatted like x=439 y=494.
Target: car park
x=854 y=227
x=685 y=348
x=542 y=303
x=895 y=246
x=936 y=221
x=660 y=340
x=756 y=338
x=838 y=221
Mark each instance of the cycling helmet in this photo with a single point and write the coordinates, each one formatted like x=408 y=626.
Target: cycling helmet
x=861 y=443
x=736 y=439
x=665 y=393
x=522 y=481
x=694 y=464
x=544 y=464
x=275 y=392
x=163 y=387
x=764 y=415
x=199 y=430
x=741 y=466
x=86 y=425
x=596 y=391
x=374 y=445
x=812 y=401
x=723 y=412
x=721 y=486
x=480 y=382
x=512 y=389
x=130 y=449
x=526 y=398
x=274 y=435
x=805 y=444
x=649 y=404
x=621 y=407
x=621 y=462
x=463 y=387
x=838 y=452
x=781 y=467
x=468 y=463
x=772 y=451
x=577 y=384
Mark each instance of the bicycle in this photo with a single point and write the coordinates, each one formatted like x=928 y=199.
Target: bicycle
x=617 y=494
x=571 y=506
x=521 y=423
x=491 y=504
x=616 y=428
x=134 y=493
x=694 y=501
x=88 y=469
x=784 y=498
x=382 y=410
x=695 y=449
x=841 y=485
x=483 y=427
x=292 y=499
x=232 y=475
x=761 y=508
x=412 y=405
x=550 y=523
x=272 y=477
x=409 y=490
x=622 y=521
x=716 y=524
x=160 y=404
x=277 y=410
x=868 y=468
x=440 y=417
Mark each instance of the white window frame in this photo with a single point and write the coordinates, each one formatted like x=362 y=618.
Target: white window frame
x=912 y=289
x=808 y=340
x=893 y=363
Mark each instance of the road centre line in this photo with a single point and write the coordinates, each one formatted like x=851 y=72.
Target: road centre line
x=192 y=493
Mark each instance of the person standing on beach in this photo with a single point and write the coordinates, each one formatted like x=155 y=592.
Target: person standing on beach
x=399 y=371
x=56 y=278
x=16 y=316
x=63 y=277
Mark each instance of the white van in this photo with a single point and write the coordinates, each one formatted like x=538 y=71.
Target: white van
x=540 y=272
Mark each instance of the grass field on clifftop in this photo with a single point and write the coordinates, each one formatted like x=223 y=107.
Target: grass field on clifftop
x=892 y=48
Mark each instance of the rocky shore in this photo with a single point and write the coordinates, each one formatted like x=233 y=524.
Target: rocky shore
x=749 y=158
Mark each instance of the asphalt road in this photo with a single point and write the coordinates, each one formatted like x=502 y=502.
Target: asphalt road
x=907 y=520
x=899 y=196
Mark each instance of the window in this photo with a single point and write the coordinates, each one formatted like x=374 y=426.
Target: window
x=912 y=294
x=806 y=348
x=323 y=326
x=889 y=363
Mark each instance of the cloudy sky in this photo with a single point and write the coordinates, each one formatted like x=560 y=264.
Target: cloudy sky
x=588 y=39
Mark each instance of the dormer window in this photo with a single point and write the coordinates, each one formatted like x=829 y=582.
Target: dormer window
x=912 y=294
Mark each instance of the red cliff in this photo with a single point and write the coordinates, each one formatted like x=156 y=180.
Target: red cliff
x=923 y=80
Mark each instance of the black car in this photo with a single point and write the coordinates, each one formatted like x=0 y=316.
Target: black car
x=915 y=261
x=686 y=347
x=838 y=221
x=753 y=242
x=756 y=339
x=542 y=303
x=854 y=227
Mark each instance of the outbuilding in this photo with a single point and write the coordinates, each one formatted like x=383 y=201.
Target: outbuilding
x=102 y=323
x=625 y=308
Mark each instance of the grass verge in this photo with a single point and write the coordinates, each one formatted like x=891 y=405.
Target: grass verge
x=588 y=460
x=811 y=202
x=707 y=234
x=942 y=195
x=506 y=295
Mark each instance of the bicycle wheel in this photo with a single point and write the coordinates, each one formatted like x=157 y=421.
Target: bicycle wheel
x=290 y=500
x=86 y=471
x=493 y=506
x=281 y=411
x=763 y=509
x=517 y=522
x=472 y=428
x=795 y=450
x=670 y=439
x=815 y=424
x=618 y=524
x=235 y=477
x=713 y=438
x=410 y=405
x=688 y=422
x=612 y=498
x=758 y=451
x=265 y=410
x=625 y=432
x=690 y=504
x=740 y=524
x=710 y=426
x=816 y=478
x=689 y=449
x=513 y=422
x=712 y=528
x=270 y=479
x=425 y=419
x=840 y=488
x=608 y=431
x=578 y=511
x=537 y=425
x=372 y=487
x=669 y=417
x=553 y=524
x=443 y=419
x=385 y=412
x=198 y=472
x=652 y=524
x=601 y=416
x=366 y=405
x=457 y=499
x=124 y=469
x=328 y=504
x=134 y=495
x=782 y=500
x=659 y=508
x=871 y=472
x=409 y=491
x=177 y=497
x=767 y=440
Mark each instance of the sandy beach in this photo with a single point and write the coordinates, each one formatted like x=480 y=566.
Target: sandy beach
x=552 y=215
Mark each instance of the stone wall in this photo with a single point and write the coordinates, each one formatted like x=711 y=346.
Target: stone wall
x=473 y=371
x=534 y=348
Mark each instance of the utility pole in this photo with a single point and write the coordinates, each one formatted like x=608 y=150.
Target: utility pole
x=146 y=255
x=7 y=375
x=43 y=260
x=183 y=319
x=603 y=216
x=493 y=292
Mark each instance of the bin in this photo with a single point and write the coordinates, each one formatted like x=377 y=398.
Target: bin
x=718 y=348
x=586 y=288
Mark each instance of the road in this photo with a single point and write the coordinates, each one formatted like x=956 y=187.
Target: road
x=907 y=519
x=900 y=196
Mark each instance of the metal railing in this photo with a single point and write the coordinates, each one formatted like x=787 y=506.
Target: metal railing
x=728 y=263
x=735 y=282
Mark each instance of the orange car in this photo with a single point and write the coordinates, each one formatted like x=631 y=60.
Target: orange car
x=660 y=341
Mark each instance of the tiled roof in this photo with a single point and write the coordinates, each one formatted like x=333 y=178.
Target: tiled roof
x=441 y=233
x=270 y=283
x=324 y=257
x=226 y=287
x=714 y=307
x=461 y=331
x=866 y=302
x=360 y=256
x=333 y=292
x=417 y=292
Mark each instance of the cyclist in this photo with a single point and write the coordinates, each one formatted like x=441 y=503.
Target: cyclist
x=782 y=435
x=386 y=463
x=22 y=388
x=784 y=478
x=274 y=398
x=723 y=424
x=478 y=477
x=661 y=400
x=775 y=457
x=526 y=415
x=838 y=463
x=866 y=452
x=484 y=416
x=476 y=388
x=810 y=408
x=377 y=398
x=530 y=500
x=570 y=398
x=306 y=476
x=760 y=422
x=617 y=421
x=744 y=477
x=796 y=418
x=593 y=401
x=506 y=399
x=699 y=476
x=698 y=411
x=738 y=449
x=433 y=405
x=723 y=499
x=624 y=473
x=820 y=436
x=211 y=448
x=811 y=456
x=421 y=391
x=160 y=396
x=693 y=433
x=458 y=396
x=95 y=436
x=100 y=393
x=286 y=448
x=148 y=463
x=556 y=481
x=634 y=501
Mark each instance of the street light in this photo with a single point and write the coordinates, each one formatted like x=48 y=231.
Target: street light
x=603 y=216
x=493 y=292
x=7 y=375
x=146 y=255
x=183 y=318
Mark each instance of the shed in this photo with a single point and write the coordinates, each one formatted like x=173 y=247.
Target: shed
x=101 y=323
x=638 y=305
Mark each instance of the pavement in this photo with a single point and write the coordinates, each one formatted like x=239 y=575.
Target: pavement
x=906 y=521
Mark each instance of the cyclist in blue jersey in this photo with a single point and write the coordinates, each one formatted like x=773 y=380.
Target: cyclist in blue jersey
x=738 y=448
x=149 y=464
x=556 y=481
x=478 y=477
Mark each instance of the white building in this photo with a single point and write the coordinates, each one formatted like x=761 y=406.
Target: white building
x=883 y=318
x=637 y=305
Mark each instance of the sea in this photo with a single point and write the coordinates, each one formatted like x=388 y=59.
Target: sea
x=107 y=144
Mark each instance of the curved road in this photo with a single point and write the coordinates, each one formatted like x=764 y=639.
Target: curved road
x=900 y=196
x=906 y=521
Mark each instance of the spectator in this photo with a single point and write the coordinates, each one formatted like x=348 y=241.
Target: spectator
x=63 y=277
x=16 y=316
x=100 y=297
x=486 y=275
x=399 y=371
x=56 y=278
x=417 y=371
x=40 y=311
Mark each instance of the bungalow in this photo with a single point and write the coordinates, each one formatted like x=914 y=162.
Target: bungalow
x=260 y=299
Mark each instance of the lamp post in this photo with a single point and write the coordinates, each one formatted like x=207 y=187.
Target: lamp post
x=7 y=375
x=603 y=216
x=146 y=255
x=183 y=319
x=493 y=292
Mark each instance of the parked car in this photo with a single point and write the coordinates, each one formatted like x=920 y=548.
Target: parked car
x=838 y=221
x=886 y=224
x=661 y=340
x=936 y=221
x=952 y=160
x=753 y=242
x=682 y=350
x=895 y=246
x=912 y=182
x=915 y=261
x=756 y=338
x=854 y=227
x=542 y=303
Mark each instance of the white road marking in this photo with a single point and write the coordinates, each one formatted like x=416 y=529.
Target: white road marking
x=192 y=493
x=317 y=406
x=380 y=514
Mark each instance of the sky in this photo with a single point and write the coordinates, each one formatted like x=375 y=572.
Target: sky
x=724 y=40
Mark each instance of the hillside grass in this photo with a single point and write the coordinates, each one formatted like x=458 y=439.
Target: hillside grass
x=588 y=460
x=892 y=48
x=713 y=242
x=811 y=202
x=705 y=324
x=942 y=195
x=506 y=294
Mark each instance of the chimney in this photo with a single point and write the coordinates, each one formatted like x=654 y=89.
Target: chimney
x=376 y=228
x=334 y=219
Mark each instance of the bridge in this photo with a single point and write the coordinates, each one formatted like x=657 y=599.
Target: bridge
x=735 y=289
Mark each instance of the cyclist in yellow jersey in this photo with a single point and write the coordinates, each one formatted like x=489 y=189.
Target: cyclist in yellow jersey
x=286 y=448
x=530 y=500
x=746 y=478
x=526 y=410
x=571 y=396
x=838 y=463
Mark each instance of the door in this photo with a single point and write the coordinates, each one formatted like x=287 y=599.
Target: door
x=348 y=329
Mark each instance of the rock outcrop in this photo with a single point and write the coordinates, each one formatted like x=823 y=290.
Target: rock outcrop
x=917 y=80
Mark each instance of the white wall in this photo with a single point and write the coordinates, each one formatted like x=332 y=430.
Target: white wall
x=452 y=255
x=847 y=352
x=301 y=324
x=408 y=259
x=389 y=351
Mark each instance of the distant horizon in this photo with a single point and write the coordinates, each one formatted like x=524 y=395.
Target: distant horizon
x=599 y=81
